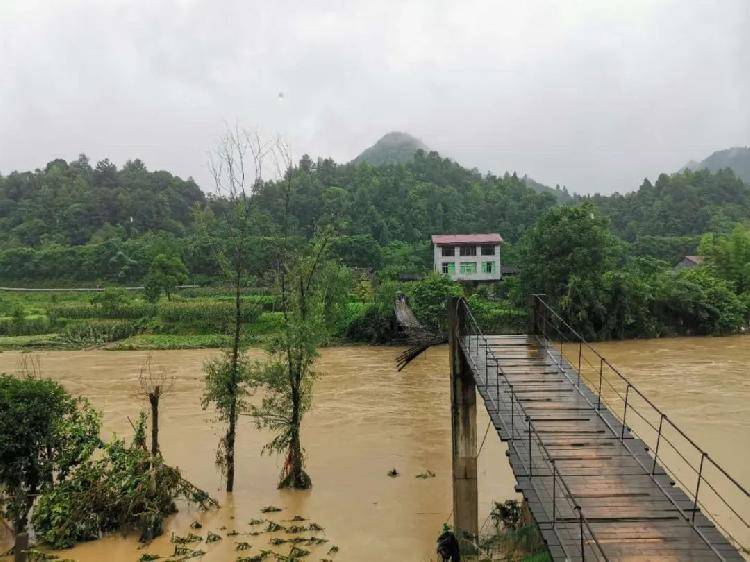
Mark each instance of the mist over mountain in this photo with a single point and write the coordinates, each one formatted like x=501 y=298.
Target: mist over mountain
x=398 y=147
x=736 y=158
x=392 y=148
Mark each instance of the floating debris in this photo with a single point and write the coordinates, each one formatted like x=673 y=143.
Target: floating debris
x=257 y=558
x=196 y=525
x=192 y=537
x=427 y=474
x=233 y=533
x=333 y=550
x=243 y=546
x=315 y=527
x=393 y=473
x=181 y=551
x=197 y=553
x=298 y=518
x=148 y=557
x=294 y=529
x=213 y=537
x=276 y=541
x=270 y=509
x=256 y=521
x=35 y=555
x=312 y=541
x=297 y=552
x=274 y=527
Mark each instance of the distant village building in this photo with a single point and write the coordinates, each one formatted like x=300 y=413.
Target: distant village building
x=690 y=261
x=468 y=257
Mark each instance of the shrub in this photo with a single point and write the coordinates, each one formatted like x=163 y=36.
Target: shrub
x=97 y=332
x=496 y=317
x=204 y=315
x=428 y=299
x=20 y=326
x=132 y=310
x=373 y=324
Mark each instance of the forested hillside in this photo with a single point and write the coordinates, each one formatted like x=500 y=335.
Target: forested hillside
x=71 y=222
x=75 y=203
x=74 y=222
x=667 y=217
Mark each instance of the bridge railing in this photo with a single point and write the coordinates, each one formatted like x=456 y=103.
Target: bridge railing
x=477 y=347
x=711 y=489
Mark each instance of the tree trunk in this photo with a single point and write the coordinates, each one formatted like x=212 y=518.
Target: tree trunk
x=296 y=477
x=232 y=429
x=21 y=546
x=153 y=398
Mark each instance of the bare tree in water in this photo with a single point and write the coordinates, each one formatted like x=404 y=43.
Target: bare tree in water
x=236 y=167
x=154 y=384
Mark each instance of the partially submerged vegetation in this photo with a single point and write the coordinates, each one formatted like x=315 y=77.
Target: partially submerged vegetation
x=79 y=486
x=513 y=534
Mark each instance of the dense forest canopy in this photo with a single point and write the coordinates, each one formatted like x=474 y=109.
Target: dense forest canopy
x=683 y=204
x=75 y=203
x=74 y=222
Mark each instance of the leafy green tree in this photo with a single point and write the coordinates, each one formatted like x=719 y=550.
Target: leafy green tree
x=309 y=295
x=428 y=298
x=44 y=434
x=729 y=255
x=695 y=302
x=111 y=300
x=567 y=246
x=224 y=382
x=164 y=275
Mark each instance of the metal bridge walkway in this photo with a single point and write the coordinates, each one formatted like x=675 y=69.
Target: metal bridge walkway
x=594 y=488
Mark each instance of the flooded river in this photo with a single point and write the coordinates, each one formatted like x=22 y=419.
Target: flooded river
x=368 y=418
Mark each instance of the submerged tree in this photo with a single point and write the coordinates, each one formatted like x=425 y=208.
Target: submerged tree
x=312 y=287
x=124 y=487
x=44 y=435
x=154 y=384
x=238 y=155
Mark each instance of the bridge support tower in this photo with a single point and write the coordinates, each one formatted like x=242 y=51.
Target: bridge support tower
x=463 y=429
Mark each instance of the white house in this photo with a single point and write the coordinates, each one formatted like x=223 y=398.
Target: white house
x=468 y=257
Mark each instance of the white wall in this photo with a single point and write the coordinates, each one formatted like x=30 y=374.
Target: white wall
x=439 y=260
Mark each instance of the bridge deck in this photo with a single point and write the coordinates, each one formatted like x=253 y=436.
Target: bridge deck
x=575 y=453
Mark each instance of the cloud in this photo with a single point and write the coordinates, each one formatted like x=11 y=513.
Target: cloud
x=594 y=95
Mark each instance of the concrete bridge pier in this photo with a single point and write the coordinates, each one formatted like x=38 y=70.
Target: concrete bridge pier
x=463 y=429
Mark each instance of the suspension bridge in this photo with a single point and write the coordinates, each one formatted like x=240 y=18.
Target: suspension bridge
x=606 y=474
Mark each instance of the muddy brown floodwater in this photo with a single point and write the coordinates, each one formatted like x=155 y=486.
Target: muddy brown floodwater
x=368 y=418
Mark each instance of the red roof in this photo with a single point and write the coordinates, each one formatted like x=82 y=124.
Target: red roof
x=446 y=239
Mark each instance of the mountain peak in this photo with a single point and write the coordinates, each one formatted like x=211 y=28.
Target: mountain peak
x=737 y=158
x=395 y=147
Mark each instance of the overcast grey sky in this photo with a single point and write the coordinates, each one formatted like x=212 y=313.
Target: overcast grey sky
x=593 y=94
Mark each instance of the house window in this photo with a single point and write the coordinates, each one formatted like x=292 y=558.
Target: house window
x=468 y=250
x=488 y=267
x=449 y=268
x=488 y=250
x=448 y=251
x=468 y=267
